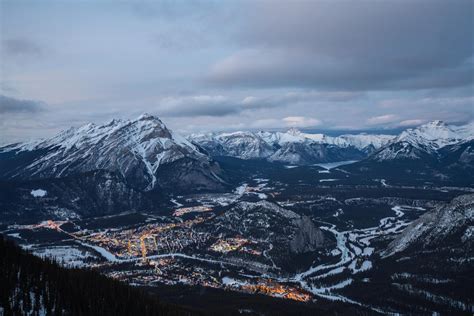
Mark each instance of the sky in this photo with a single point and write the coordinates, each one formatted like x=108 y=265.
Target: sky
x=235 y=65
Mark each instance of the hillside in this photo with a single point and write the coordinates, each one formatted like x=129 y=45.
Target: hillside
x=34 y=286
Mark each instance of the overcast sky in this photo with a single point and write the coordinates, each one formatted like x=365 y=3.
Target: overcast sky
x=228 y=65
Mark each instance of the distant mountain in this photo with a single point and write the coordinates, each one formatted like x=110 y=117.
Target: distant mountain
x=433 y=151
x=458 y=155
x=245 y=145
x=143 y=151
x=423 y=141
x=292 y=146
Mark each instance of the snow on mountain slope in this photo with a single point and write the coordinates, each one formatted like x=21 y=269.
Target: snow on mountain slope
x=360 y=141
x=466 y=131
x=245 y=145
x=300 y=153
x=423 y=141
x=136 y=149
x=436 y=133
x=451 y=223
x=291 y=146
x=280 y=138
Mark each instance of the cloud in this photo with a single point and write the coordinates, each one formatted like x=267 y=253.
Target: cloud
x=339 y=62
x=382 y=119
x=21 y=47
x=297 y=97
x=363 y=45
x=266 y=123
x=289 y=121
x=218 y=105
x=300 y=121
x=200 y=105
x=448 y=102
x=453 y=109
x=409 y=123
x=11 y=105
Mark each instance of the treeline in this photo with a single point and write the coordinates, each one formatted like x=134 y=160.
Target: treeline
x=32 y=286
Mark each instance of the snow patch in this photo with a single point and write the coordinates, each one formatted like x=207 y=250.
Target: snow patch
x=38 y=193
x=332 y=165
x=328 y=180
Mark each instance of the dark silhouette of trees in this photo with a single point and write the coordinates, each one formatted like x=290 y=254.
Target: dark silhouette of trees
x=35 y=286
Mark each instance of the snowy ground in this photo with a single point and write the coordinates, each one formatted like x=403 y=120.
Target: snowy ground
x=39 y=193
x=68 y=256
x=332 y=165
x=354 y=251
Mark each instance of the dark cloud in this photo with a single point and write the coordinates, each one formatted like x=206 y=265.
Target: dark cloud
x=218 y=105
x=298 y=97
x=362 y=45
x=12 y=105
x=21 y=47
x=363 y=64
x=201 y=105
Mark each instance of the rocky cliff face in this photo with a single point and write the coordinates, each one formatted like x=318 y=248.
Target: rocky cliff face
x=137 y=149
x=282 y=234
x=95 y=193
x=308 y=237
x=450 y=225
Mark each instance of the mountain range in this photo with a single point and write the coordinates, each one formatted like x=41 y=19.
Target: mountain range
x=150 y=157
x=129 y=165
x=431 y=152
x=292 y=146
x=434 y=150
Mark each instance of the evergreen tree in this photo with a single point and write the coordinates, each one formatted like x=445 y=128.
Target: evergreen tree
x=31 y=284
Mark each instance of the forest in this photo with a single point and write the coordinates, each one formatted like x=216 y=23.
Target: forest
x=35 y=286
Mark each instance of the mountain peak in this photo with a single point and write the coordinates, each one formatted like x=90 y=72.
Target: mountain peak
x=113 y=122
x=294 y=131
x=414 y=143
x=148 y=117
x=135 y=149
x=437 y=131
x=435 y=123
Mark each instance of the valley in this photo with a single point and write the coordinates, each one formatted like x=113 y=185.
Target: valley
x=301 y=240
x=305 y=222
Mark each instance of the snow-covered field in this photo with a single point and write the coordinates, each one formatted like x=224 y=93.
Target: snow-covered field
x=67 y=256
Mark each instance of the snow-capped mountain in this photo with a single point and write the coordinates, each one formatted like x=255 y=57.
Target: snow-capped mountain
x=433 y=151
x=141 y=150
x=365 y=142
x=458 y=154
x=358 y=141
x=244 y=145
x=445 y=225
x=424 y=141
x=291 y=146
